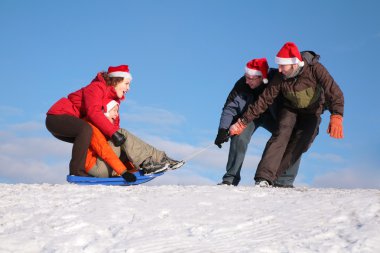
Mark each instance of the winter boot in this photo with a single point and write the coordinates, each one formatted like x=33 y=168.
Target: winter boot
x=150 y=167
x=225 y=183
x=262 y=183
x=170 y=161
x=80 y=173
x=283 y=185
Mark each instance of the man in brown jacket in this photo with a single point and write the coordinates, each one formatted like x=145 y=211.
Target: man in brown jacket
x=307 y=87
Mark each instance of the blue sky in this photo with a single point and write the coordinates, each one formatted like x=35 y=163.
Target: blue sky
x=185 y=57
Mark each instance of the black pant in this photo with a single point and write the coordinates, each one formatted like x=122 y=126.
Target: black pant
x=296 y=132
x=73 y=130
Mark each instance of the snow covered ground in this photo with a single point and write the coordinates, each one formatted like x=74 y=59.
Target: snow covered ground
x=71 y=218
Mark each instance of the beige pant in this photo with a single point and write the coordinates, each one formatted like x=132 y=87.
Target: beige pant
x=136 y=150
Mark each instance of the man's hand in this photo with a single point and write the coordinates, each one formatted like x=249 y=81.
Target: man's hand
x=221 y=137
x=237 y=128
x=118 y=139
x=335 y=128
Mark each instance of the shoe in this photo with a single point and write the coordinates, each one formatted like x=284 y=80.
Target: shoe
x=262 y=183
x=283 y=185
x=171 y=162
x=150 y=167
x=224 y=183
x=80 y=173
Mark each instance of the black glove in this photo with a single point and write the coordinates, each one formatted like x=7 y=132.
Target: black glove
x=118 y=139
x=221 y=137
x=129 y=177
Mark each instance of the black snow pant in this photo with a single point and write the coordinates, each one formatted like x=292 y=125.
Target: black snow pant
x=295 y=134
x=73 y=130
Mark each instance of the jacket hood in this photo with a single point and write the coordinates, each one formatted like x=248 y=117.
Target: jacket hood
x=99 y=78
x=310 y=57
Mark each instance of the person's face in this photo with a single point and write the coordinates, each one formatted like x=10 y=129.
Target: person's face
x=122 y=87
x=113 y=113
x=287 y=70
x=253 y=81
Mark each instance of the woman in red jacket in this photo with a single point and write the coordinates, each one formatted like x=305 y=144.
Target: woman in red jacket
x=65 y=118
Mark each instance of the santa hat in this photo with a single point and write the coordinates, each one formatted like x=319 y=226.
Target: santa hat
x=289 y=54
x=108 y=106
x=258 y=67
x=119 y=71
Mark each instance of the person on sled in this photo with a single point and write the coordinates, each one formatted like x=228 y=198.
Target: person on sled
x=104 y=159
x=66 y=120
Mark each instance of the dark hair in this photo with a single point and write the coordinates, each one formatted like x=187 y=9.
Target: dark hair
x=111 y=81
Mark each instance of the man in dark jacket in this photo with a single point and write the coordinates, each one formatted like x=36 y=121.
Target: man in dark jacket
x=306 y=87
x=246 y=90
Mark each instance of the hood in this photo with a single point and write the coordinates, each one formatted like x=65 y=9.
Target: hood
x=111 y=89
x=310 y=57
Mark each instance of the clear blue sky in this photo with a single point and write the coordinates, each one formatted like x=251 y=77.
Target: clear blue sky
x=185 y=57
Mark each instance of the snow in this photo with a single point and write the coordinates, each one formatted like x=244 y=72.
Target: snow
x=172 y=218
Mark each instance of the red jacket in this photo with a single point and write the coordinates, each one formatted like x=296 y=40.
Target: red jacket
x=88 y=103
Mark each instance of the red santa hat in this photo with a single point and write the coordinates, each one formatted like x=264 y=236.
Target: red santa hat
x=289 y=54
x=108 y=106
x=119 y=71
x=258 y=67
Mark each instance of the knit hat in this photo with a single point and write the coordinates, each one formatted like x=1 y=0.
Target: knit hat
x=108 y=106
x=258 y=67
x=289 y=54
x=119 y=71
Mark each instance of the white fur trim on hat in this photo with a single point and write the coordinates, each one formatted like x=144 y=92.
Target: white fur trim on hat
x=265 y=80
x=111 y=104
x=253 y=72
x=120 y=74
x=287 y=61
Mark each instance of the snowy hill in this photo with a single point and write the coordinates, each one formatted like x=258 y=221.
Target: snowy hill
x=70 y=218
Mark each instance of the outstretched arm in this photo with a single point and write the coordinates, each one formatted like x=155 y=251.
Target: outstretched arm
x=257 y=108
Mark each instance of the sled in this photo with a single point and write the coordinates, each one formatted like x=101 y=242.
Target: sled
x=141 y=178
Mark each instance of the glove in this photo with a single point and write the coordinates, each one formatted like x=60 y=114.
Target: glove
x=335 y=128
x=221 y=137
x=237 y=128
x=129 y=177
x=118 y=139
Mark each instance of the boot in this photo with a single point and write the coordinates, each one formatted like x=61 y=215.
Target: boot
x=150 y=167
x=225 y=183
x=79 y=173
x=262 y=183
x=170 y=161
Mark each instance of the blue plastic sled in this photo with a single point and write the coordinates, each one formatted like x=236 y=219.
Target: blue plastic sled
x=141 y=178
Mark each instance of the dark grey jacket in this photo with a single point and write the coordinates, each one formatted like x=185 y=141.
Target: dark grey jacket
x=240 y=97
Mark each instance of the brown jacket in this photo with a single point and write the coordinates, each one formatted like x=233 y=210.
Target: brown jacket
x=308 y=92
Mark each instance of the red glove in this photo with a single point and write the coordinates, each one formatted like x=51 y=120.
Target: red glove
x=335 y=128
x=237 y=128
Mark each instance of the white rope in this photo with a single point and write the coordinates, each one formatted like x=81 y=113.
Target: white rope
x=197 y=153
